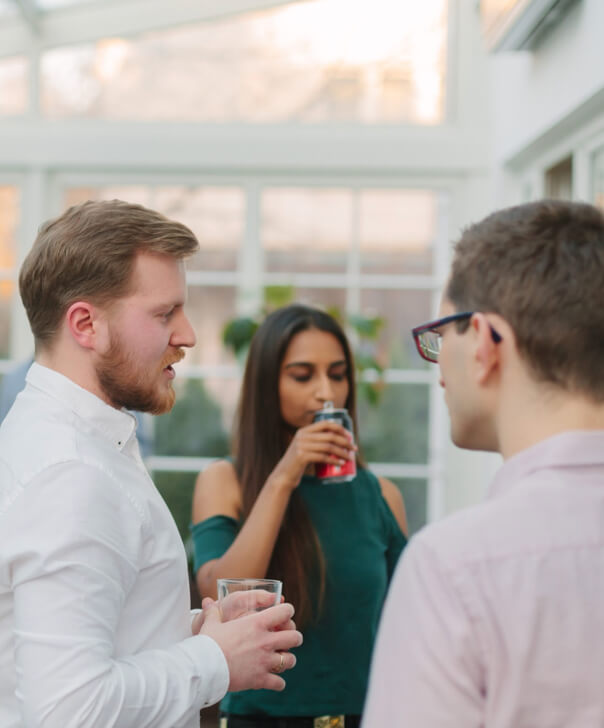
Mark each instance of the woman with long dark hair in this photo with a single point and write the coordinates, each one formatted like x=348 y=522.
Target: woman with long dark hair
x=265 y=513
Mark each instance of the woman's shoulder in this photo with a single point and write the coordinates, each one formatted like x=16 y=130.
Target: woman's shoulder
x=394 y=498
x=388 y=491
x=217 y=492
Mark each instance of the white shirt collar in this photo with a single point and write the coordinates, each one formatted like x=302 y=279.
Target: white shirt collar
x=116 y=425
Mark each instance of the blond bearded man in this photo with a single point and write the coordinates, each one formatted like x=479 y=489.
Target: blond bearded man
x=95 y=621
x=495 y=615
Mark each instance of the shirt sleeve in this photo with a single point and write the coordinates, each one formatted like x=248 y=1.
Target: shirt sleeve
x=426 y=669
x=76 y=553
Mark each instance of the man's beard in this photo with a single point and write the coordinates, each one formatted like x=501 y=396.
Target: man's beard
x=127 y=385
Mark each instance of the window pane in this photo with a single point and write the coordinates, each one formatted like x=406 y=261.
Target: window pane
x=559 y=180
x=217 y=217
x=138 y=194
x=317 y=61
x=9 y=219
x=396 y=430
x=401 y=310
x=177 y=491
x=209 y=308
x=306 y=230
x=52 y=4
x=201 y=420
x=598 y=178
x=397 y=231
x=415 y=495
x=8 y=8
x=215 y=214
x=5 y=321
x=327 y=298
x=14 y=79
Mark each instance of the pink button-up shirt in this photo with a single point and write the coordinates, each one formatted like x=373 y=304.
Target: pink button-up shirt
x=495 y=616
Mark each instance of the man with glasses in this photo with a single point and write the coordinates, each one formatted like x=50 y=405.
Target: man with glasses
x=495 y=614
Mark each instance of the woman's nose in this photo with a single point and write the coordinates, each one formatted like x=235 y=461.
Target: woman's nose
x=324 y=390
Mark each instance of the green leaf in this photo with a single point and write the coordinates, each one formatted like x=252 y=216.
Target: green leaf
x=371 y=392
x=238 y=332
x=278 y=296
x=367 y=361
x=366 y=326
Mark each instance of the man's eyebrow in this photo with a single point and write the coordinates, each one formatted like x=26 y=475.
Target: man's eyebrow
x=168 y=305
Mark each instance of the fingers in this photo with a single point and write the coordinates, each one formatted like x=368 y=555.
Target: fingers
x=273 y=682
x=207 y=602
x=211 y=614
x=197 y=622
x=283 y=661
x=238 y=603
x=290 y=624
x=286 y=661
x=274 y=616
x=326 y=444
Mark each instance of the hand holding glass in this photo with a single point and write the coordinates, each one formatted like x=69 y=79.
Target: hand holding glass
x=237 y=597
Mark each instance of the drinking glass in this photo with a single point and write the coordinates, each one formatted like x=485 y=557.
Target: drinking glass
x=237 y=597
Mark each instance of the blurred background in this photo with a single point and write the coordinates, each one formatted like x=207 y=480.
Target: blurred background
x=325 y=151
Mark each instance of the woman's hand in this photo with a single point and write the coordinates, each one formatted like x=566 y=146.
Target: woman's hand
x=321 y=442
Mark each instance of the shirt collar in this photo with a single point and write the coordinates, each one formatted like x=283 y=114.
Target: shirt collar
x=118 y=426
x=567 y=449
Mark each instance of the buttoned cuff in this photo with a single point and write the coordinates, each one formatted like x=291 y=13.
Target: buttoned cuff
x=212 y=669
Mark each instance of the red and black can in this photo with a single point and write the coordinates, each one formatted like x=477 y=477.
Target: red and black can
x=332 y=472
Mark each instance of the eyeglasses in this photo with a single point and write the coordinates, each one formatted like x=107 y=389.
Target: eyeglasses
x=428 y=337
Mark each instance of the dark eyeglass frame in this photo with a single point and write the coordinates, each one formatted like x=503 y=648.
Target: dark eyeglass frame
x=417 y=331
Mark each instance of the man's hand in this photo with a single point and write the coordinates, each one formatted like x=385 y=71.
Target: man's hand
x=255 y=645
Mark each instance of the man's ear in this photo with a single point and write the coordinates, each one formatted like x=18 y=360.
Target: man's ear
x=486 y=351
x=84 y=324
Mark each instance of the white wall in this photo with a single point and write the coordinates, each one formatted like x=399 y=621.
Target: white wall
x=542 y=105
x=534 y=91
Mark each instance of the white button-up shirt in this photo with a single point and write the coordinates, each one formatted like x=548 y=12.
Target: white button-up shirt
x=95 y=622
x=495 y=616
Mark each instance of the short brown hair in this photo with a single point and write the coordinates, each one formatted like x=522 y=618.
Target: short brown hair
x=88 y=253
x=541 y=267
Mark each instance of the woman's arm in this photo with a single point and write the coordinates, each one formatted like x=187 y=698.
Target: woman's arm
x=217 y=492
x=393 y=497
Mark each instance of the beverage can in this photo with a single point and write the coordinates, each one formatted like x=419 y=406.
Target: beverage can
x=332 y=472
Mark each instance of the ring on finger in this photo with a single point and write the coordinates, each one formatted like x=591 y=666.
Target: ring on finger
x=281 y=666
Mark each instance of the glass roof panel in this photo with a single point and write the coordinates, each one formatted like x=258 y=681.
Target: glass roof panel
x=52 y=4
x=7 y=8
x=317 y=61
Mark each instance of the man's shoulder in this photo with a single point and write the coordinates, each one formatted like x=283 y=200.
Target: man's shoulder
x=474 y=534
x=38 y=435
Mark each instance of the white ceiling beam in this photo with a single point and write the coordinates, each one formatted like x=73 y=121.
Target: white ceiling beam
x=29 y=14
x=227 y=148
x=110 y=18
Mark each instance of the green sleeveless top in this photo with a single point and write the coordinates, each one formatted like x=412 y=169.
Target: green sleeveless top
x=361 y=541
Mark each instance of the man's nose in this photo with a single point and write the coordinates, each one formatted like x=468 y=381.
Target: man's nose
x=183 y=335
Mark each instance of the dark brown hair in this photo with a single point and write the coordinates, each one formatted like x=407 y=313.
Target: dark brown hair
x=541 y=267
x=261 y=437
x=88 y=253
